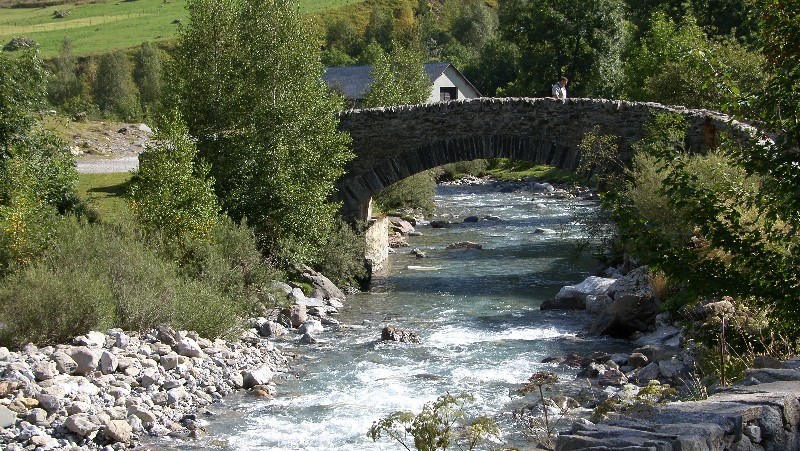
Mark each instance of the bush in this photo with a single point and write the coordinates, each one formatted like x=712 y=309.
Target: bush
x=454 y=171
x=414 y=192
x=342 y=258
x=43 y=306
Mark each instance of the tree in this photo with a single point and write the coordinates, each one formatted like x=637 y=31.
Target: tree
x=172 y=195
x=63 y=83
x=249 y=77
x=676 y=63
x=114 y=89
x=147 y=76
x=37 y=176
x=380 y=28
x=398 y=78
x=557 y=38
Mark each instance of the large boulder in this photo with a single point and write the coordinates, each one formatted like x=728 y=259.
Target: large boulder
x=400 y=225
x=572 y=297
x=259 y=376
x=323 y=288
x=86 y=359
x=118 y=431
x=627 y=314
x=636 y=282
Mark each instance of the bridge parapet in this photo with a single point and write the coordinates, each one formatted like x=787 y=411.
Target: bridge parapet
x=395 y=142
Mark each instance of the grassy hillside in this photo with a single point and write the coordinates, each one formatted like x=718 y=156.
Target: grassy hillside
x=107 y=25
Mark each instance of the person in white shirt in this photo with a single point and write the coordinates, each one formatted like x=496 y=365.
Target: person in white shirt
x=560 y=89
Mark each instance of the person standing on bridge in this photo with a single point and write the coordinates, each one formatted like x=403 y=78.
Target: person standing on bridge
x=560 y=89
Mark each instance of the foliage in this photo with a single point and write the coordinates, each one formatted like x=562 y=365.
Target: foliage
x=556 y=38
x=496 y=67
x=171 y=194
x=600 y=155
x=508 y=169
x=36 y=173
x=441 y=424
x=544 y=432
x=398 y=78
x=414 y=192
x=676 y=63
x=731 y=333
x=342 y=257
x=147 y=76
x=249 y=80
x=99 y=276
x=454 y=171
x=63 y=85
x=114 y=89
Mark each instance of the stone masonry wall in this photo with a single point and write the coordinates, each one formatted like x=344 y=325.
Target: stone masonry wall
x=394 y=143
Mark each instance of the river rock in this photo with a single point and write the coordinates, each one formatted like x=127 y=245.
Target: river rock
x=322 y=287
x=166 y=334
x=142 y=413
x=441 y=224
x=311 y=326
x=44 y=370
x=400 y=225
x=189 y=348
x=597 y=303
x=259 y=376
x=464 y=245
x=64 y=363
x=118 y=431
x=638 y=360
x=612 y=377
x=636 y=282
x=271 y=329
x=471 y=219
x=308 y=339
x=48 y=402
x=81 y=424
x=297 y=314
x=8 y=418
x=86 y=359
x=92 y=339
x=108 y=362
x=391 y=333
x=627 y=314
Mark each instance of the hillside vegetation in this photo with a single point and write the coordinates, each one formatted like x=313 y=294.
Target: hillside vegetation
x=105 y=25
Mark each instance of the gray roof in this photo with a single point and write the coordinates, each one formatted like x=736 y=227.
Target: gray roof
x=354 y=81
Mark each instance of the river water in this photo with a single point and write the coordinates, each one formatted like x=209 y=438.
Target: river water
x=477 y=312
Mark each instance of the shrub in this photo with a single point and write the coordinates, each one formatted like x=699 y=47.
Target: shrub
x=342 y=258
x=43 y=306
x=415 y=192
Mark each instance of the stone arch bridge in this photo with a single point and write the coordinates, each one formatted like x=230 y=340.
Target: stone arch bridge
x=393 y=143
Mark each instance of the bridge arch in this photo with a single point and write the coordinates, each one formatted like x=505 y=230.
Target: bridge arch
x=393 y=143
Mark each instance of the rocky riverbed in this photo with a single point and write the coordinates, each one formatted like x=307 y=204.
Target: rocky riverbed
x=108 y=390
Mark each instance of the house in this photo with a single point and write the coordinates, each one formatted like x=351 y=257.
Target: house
x=447 y=82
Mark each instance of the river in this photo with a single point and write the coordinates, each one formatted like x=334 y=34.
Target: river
x=477 y=312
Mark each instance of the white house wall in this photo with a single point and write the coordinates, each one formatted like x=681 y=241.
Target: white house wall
x=451 y=78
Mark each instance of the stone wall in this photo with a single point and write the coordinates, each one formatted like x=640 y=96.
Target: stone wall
x=394 y=143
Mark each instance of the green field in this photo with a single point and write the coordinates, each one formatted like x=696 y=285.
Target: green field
x=107 y=25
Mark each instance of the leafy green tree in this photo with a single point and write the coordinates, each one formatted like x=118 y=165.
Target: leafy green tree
x=380 y=28
x=497 y=65
x=37 y=176
x=249 y=79
x=398 y=78
x=114 y=89
x=473 y=23
x=147 y=76
x=676 y=63
x=172 y=195
x=557 y=38
x=63 y=84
